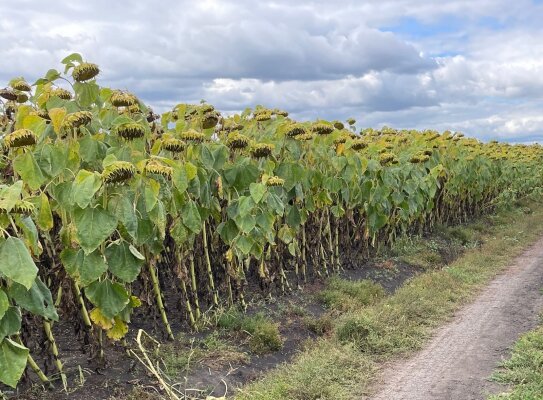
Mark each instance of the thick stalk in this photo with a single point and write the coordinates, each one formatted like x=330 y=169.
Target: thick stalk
x=330 y=242
x=193 y=286
x=54 y=351
x=37 y=370
x=321 y=247
x=83 y=307
x=35 y=367
x=185 y=293
x=208 y=267
x=304 y=255
x=187 y=303
x=158 y=296
x=336 y=245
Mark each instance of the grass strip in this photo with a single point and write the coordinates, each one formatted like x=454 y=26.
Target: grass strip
x=523 y=372
x=344 y=365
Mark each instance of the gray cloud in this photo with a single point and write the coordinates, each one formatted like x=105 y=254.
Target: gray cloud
x=314 y=58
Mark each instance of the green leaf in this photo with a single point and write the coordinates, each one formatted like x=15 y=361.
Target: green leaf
x=9 y=195
x=276 y=204
x=245 y=223
x=228 y=231
x=122 y=262
x=191 y=170
x=109 y=297
x=52 y=159
x=10 y=323
x=152 y=190
x=293 y=217
x=244 y=244
x=37 y=300
x=94 y=225
x=4 y=303
x=17 y=264
x=179 y=178
x=84 y=268
x=72 y=57
x=13 y=358
x=257 y=191
x=52 y=75
x=179 y=233
x=286 y=234
x=91 y=266
x=191 y=217
x=28 y=169
x=30 y=234
x=87 y=93
x=84 y=187
x=245 y=205
x=241 y=175
x=45 y=217
x=123 y=209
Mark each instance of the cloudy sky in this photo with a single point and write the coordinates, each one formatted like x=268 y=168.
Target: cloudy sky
x=473 y=66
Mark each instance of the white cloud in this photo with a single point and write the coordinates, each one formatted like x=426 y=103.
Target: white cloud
x=316 y=58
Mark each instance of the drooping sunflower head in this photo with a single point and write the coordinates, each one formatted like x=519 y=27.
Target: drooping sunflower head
x=77 y=119
x=20 y=138
x=210 y=120
x=339 y=125
x=295 y=130
x=304 y=137
x=205 y=108
x=8 y=94
x=156 y=168
x=85 y=72
x=123 y=99
x=236 y=140
x=173 y=145
x=275 y=181
x=280 y=112
x=20 y=207
x=193 y=136
x=264 y=115
x=22 y=97
x=387 y=158
x=351 y=121
x=61 y=93
x=10 y=108
x=21 y=85
x=262 y=150
x=118 y=172
x=342 y=138
x=230 y=126
x=322 y=129
x=359 y=144
x=131 y=131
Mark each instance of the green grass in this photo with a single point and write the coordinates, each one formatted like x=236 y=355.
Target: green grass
x=342 y=294
x=343 y=365
x=523 y=372
x=321 y=326
x=264 y=335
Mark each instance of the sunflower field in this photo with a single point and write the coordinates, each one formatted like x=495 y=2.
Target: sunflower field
x=104 y=203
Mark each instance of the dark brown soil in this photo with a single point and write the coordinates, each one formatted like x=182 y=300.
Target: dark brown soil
x=121 y=374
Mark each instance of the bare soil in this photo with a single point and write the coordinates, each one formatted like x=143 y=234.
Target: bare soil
x=459 y=359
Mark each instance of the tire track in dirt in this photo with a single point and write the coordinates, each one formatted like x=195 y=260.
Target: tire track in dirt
x=458 y=360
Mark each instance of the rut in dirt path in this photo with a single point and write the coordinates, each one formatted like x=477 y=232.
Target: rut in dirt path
x=458 y=360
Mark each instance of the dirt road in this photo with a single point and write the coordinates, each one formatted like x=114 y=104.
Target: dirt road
x=456 y=363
